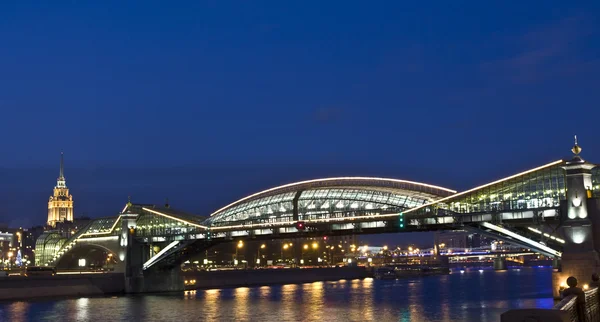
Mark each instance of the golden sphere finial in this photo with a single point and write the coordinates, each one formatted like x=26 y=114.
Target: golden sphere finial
x=576 y=148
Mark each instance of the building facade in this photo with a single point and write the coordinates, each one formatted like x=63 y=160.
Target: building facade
x=60 y=205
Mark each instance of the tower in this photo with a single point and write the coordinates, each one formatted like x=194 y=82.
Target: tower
x=60 y=205
x=580 y=224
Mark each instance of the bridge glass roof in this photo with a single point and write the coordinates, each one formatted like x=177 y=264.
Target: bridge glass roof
x=103 y=226
x=316 y=200
x=151 y=225
x=542 y=187
x=46 y=246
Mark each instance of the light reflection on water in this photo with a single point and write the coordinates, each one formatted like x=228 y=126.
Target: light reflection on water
x=472 y=296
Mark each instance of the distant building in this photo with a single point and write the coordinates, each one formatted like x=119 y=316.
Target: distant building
x=28 y=239
x=6 y=244
x=60 y=205
x=459 y=239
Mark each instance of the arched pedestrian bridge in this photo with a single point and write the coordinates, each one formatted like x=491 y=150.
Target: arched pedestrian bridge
x=524 y=209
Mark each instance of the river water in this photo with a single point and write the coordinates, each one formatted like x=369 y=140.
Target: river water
x=469 y=296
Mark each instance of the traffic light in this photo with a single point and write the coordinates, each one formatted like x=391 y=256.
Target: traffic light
x=300 y=226
x=401 y=218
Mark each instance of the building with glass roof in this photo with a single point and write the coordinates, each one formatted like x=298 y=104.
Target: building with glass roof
x=46 y=246
x=327 y=198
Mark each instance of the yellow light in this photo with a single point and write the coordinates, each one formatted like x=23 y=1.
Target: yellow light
x=305 y=246
x=315 y=245
x=410 y=249
x=285 y=246
x=385 y=248
x=240 y=244
x=586 y=287
x=291 y=244
x=10 y=254
x=263 y=246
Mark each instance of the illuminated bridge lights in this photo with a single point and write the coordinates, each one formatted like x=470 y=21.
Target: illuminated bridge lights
x=560 y=240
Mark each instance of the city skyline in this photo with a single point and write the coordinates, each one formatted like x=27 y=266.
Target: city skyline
x=230 y=100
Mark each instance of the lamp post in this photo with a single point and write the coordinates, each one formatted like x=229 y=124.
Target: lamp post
x=304 y=248
x=240 y=245
x=263 y=246
x=284 y=247
x=10 y=255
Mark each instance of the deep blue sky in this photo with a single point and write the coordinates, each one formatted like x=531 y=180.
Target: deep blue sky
x=207 y=101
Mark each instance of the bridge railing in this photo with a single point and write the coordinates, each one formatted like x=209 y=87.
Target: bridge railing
x=580 y=313
x=568 y=309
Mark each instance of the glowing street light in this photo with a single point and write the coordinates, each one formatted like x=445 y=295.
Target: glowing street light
x=315 y=245
x=305 y=246
x=285 y=246
x=263 y=246
x=240 y=244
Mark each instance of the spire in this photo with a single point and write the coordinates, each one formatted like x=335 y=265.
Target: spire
x=576 y=148
x=62 y=166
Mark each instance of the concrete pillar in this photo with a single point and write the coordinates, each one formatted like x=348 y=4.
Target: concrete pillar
x=556 y=263
x=580 y=216
x=499 y=264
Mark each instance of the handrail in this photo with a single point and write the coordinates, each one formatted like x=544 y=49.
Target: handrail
x=568 y=309
x=589 y=312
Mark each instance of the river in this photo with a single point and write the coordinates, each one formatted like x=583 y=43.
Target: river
x=473 y=295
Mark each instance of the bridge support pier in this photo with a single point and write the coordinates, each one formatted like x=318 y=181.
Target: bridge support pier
x=499 y=264
x=581 y=226
x=155 y=281
x=556 y=263
x=134 y=254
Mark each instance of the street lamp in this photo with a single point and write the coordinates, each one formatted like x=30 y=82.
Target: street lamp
x=284 y=247
x=315 y=245
x=263 y=246
x=240 y=244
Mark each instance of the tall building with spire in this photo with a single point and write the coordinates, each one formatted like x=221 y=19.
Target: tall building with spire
x=60 y=205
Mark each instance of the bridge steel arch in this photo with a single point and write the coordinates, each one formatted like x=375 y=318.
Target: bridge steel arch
x=109 y=244
x=327 y=198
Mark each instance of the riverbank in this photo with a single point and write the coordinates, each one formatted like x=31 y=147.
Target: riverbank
x=24 y=288
x=263 y=277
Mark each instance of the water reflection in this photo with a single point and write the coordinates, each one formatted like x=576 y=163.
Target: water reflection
x=16 y=311
x=471 y=296
x=82 y=309
x=241 y=306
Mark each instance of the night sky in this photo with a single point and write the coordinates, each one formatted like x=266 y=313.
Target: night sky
x=204 y=102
